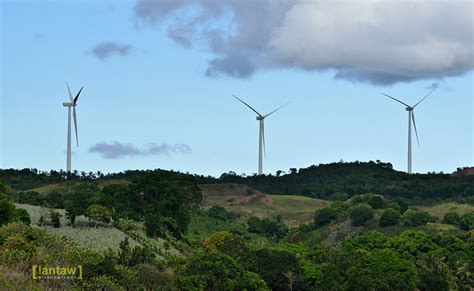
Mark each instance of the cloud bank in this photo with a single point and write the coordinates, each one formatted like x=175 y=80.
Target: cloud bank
x=107 y=49
x=378 y=41
x=116 y=150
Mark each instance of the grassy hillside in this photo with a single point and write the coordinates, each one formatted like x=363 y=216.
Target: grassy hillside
x=293 y=209
x=439 y=210
x=101 y=238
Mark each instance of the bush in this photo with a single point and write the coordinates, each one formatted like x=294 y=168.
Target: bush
x=389 y=217
x=324 y=216
x=7 y=211
x=452 y=218
x=98 y=213
x=360 y=214
x=226 y=243
x=217 y=212
x=414 y=217
x=22 y=215
x=215 y=271
x=467 y=221
x=272 y=265
x=394 y=205
x=402 y=202
x=30 y=197
x=376 y=202
x=55 y=219
x=266 y=227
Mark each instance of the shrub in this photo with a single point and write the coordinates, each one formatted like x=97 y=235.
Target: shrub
x=324 y=216
x=452 y=218
x=403 y=204
x=389 y=217
x=254 y=224
x=226 y=243
x=394 y=205
x=55 y=219
x=7 y=211
x=376 y=202
x=22 y=215
x=467 y=221
x=360 y=214
x=414 y=217
x=98 y=213
x=30 y=197
x=217 y=212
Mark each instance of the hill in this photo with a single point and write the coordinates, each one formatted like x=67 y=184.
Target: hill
x=293 y=209
x=334 y=181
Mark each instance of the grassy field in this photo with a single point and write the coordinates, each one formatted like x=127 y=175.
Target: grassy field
x=249 y=202
x=439 y=210
x=71 y=184
x=100 y=238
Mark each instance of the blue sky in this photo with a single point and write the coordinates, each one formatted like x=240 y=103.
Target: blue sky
x=157 y=92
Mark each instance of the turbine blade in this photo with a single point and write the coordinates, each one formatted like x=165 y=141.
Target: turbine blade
x=395 y=99
x=278 y=108
x=247 y=105
x=77 y=96
x=69 y=91
x=263 y=137
x=414 y=126
x=75 y=124
x=432 y=90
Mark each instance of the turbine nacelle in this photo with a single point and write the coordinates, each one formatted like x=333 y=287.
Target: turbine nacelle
x=411 y=118
x=261 y=139
x=68 y=104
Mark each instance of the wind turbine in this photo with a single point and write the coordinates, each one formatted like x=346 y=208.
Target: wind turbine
x=261 y=134
x=72 y=104
x=411 y=117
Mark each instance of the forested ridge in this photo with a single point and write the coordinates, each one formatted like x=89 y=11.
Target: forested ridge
x=335 y=181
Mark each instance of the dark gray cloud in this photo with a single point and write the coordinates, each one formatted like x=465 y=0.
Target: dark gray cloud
x=378 y=41
x=107 y=49
x=117 y=150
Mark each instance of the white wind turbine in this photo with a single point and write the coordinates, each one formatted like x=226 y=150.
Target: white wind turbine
x=261 y=134
x=72 y=104
x=411 y=117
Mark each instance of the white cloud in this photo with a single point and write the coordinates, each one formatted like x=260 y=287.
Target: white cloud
x=378 y=41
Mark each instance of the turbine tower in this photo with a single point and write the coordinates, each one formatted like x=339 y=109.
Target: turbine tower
x=411 y=117
x=261 y=133
x=72 y=104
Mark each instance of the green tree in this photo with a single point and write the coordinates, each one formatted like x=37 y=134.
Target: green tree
x=55 y=219
x=413 y=217
x=324 y=216
x=228 y=244
x=216 y=271
x=22 y=215
x=390 y=217
x=381 y=270
x=254 y=224
x=452 y=218
x=98 y=213
x=434 y=274
x=467 y=221
x=217 y=212
x=360 y=214
x=7 y=211
x=376 y=202
x=272 y=265
x=403 y=204
x=77 y=201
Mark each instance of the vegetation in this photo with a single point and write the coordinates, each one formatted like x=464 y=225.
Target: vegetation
x=378 y=229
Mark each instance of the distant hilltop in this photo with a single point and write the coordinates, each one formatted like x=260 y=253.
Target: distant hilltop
x=466 y=171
